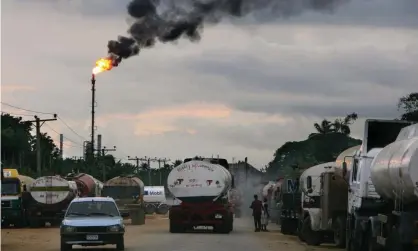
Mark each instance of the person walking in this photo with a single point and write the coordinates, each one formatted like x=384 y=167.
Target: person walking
x=265 y=216
x=257 y=207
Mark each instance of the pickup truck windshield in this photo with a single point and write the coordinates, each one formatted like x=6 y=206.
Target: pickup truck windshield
x=10 y=187
x=92 y=208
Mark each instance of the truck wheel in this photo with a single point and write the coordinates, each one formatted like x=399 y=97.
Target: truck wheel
x=149 y=208
x=284 y=227
x=162 y=209
x=339 y=232
x=120 y=245
x=176 y=228
x=311 y=237
x=394 y=241
x=34 y=223
x=65 y=246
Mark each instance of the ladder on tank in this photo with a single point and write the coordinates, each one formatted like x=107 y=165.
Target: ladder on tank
x=48 y=190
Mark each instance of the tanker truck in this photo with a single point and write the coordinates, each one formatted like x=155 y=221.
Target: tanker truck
x=124 y=190
x=383 y=194
x=235 y=198
x=47 y=199
x=155 y=200
x=202 y=186
x=288 y=202
x=13 y=184
x=324 y=202
x=87 y=185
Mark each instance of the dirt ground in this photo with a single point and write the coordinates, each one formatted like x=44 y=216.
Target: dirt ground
x=48 y=238
x=154 y=236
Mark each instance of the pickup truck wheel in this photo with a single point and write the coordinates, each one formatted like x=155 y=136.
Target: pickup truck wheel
x=311 y=237
x=65 y=246
x=120 y=245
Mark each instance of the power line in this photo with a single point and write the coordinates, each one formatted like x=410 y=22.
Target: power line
x=63 y=136
x=33 y=111
x=81 y=137
x=15 y=114
x=23 y=109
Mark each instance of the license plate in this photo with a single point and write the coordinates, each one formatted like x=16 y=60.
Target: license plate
x=93 y=237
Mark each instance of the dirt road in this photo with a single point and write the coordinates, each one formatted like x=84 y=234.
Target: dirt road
x=154 y=236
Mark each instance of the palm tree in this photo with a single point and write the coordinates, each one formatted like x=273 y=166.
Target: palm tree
x=323 y=128
x=343 y=125
x=177 y=162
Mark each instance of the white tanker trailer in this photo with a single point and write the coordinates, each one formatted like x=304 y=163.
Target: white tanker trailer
x=202 y=186
x=47 y=200
x=383 y=195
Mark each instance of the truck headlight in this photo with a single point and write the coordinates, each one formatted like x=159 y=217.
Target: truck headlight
x=218 y=216
x=68 y=229
x=115 y=228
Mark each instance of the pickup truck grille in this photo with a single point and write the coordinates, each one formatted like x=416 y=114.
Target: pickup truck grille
x=91 y=229
x=6 y=204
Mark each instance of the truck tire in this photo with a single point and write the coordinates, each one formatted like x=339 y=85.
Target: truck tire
x=176 y=228
x=149 y=208
x=35 y=223
x=339 y=232
x=311 y=237
x=163 y=209
x=299 y=231
x=284 y=227
x=120 y=245
x=65 y=246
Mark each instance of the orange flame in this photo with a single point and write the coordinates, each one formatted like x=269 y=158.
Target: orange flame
x=103 y=64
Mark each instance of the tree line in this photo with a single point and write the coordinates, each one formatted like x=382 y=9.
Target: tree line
x=327 y=142
x=18 y=149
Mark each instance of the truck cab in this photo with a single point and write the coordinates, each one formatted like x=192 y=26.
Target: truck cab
x=364 y=203
x=11 y=203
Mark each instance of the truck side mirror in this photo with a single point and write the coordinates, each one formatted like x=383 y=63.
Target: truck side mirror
x=309 y=183
x=344 y=169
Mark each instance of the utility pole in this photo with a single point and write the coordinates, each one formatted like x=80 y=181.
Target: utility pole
x=136 y=159
x=38 y=140
x=159 y=167
x=103 y=151
x=148 y=161
x=61 y=145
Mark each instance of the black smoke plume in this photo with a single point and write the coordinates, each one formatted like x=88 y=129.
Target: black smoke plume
x=169 y=20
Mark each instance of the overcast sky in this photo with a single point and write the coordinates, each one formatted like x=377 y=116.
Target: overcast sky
x=245 y=89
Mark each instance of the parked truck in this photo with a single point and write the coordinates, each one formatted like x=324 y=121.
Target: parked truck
x=124 y=190
x=288 y=197
x=202 y=186
x=47 y=199
x=235 y=198
x=324 y=202
x=155 y=200
x=87 y=185
x=383 y=194
x=13 y=184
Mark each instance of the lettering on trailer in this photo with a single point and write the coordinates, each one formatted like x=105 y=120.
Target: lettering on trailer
x=153 y=192
x=292 y=186
x=209 y=182
x=194 y=166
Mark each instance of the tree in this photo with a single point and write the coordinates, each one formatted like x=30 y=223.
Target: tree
x=343 y=125
x=409 y=106
x=312 y=151
x=323 y=128
x=177 y=162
